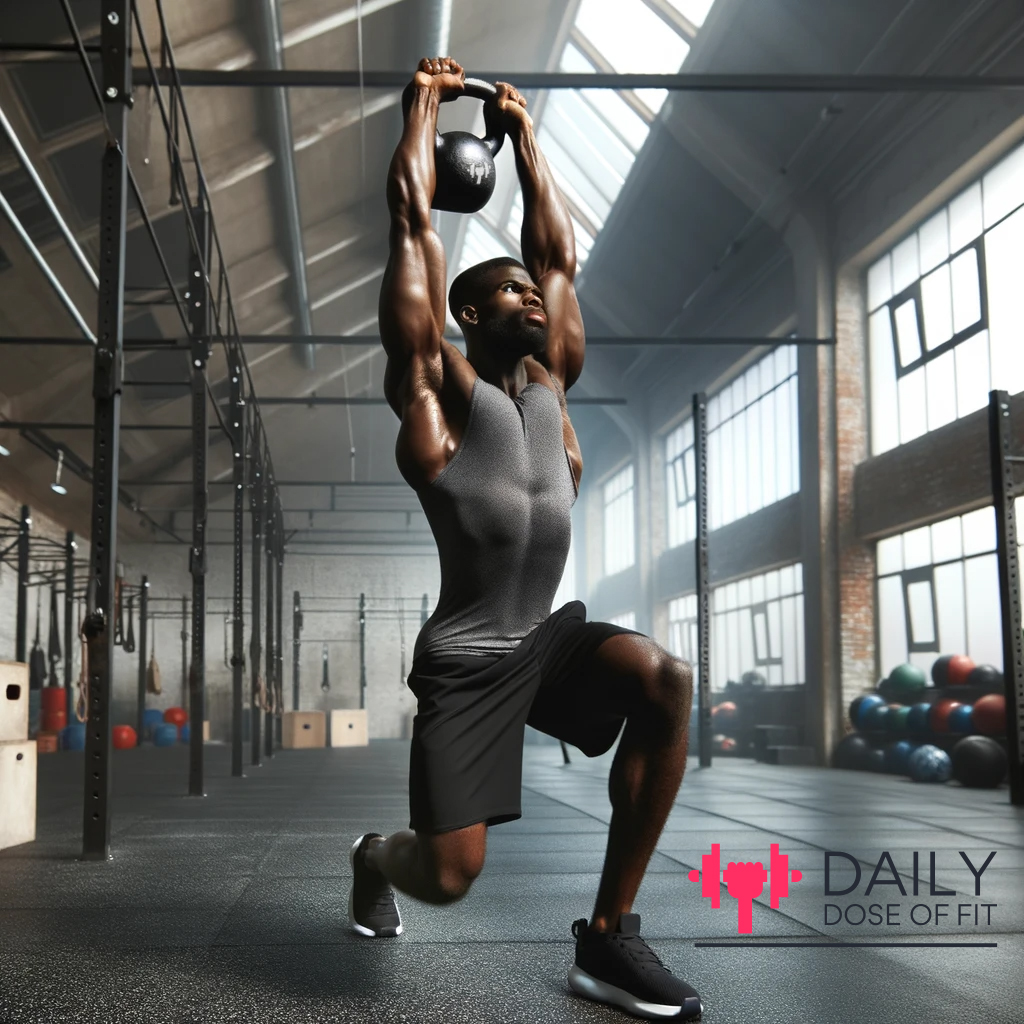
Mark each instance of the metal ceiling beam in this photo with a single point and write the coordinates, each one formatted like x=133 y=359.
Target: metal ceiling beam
x=144 y=344
x=686 y=82
x=273 y=54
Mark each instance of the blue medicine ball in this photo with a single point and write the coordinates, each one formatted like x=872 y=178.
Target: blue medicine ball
x=897 y=756
x=930 y=764
x=867 y=705
x=165 y=735
x=961 y=720
x=72 y=737
x=186 y=733
x=151 y=719
x=917 y=719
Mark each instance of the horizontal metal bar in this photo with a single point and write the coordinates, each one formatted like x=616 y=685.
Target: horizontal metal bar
x=34 y=425
x=144 y=344
x=7 y=47
x=597 y=340
x=295 y=511
x=279 y=483
x=691 y=82
x=157 y=383
x=310 y=401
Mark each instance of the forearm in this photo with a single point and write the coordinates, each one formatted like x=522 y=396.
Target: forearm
x=548 y=241
x=412 y=178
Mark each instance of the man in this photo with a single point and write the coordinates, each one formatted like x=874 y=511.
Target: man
x=487 y=444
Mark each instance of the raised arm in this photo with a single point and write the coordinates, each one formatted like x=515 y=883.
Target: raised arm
x=411 y=312
x=548 y=242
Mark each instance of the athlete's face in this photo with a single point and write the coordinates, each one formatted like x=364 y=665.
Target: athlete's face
x=511 y=313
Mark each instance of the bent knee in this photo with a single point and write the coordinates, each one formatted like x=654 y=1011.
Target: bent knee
x=670 y=687
x=452 y=887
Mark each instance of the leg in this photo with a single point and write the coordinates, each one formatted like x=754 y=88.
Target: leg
x=436 y=869
x=636 y=677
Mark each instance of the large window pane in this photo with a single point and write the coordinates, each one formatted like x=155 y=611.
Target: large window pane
x=984 y=617
x=908 y=336
x=912 y=405
x=880 y=282
x=933 y=241
x=885 y=409
x=940 y=376
x=1004 y=187
x=965 y=218
x=905 y=265
x=972 y=374
x=966 y=292
x=937 y=299
x=631 y=37
x=960 y=613
x=1004 y=268
x=922 y=612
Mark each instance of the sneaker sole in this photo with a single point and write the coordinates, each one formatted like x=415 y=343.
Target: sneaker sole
x=360 y=929
x=600 y=991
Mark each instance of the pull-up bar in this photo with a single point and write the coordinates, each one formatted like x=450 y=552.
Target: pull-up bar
x=688 y=82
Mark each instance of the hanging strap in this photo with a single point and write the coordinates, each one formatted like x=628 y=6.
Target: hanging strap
x=129 y=640
x=53 y=651
x=82 y=703
x=118 y=613
x=325 y=682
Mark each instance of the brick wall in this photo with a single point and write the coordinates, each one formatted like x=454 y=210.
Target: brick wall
x=856 y=558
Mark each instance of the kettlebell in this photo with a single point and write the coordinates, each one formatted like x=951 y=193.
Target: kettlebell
x=464 y=164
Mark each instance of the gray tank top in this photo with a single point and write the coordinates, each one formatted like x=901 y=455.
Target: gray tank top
x=500 y=513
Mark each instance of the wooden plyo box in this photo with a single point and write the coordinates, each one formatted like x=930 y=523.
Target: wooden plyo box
x=17 y=792
x=348 y=728
x=13 y=701
x=303 y=729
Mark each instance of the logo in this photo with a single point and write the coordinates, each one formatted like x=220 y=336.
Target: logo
x=744 y=882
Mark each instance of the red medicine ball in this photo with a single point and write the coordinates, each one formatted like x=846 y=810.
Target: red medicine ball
x=176 y=716
x=960 y=667
x=939 y=717
x=124 y=737
x=989 y=717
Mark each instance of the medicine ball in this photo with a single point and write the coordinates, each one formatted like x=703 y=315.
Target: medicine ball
x=979 y=762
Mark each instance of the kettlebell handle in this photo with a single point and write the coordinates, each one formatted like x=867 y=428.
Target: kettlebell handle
x=478 y=89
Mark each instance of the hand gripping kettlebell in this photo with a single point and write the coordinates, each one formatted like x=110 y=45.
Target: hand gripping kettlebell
x=464 y=164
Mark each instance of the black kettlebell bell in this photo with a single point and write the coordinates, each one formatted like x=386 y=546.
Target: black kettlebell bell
x=464 y=164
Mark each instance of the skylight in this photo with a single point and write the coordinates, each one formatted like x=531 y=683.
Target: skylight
x=591 y=137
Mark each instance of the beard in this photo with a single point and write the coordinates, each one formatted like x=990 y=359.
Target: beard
x=518 y=336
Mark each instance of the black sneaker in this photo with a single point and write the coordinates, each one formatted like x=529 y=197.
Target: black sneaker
x=371 y=902
x=621 y=969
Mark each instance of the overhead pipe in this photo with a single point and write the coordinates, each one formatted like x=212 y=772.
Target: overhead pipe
x=273 y=55
x=9 y=213
x=41 y=188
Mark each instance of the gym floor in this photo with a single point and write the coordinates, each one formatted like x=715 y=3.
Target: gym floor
x=233 y=906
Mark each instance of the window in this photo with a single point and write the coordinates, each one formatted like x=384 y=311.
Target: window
x=680 y=485
x=626 y=619
x=757 y=625
x=753 y=439
x=619 y=528
x=682 y=632
x=591 y=137
x=946 y=311
x=938 y=592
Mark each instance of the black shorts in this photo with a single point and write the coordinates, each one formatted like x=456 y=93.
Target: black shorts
x=466 y=763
